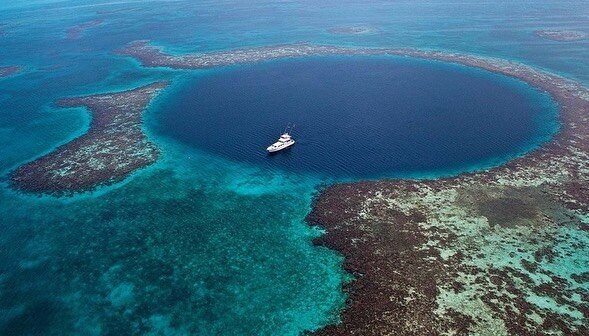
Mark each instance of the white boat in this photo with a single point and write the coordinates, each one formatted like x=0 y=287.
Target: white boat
x=285 y=141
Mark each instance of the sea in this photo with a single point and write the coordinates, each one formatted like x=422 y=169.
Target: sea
x=212 y=238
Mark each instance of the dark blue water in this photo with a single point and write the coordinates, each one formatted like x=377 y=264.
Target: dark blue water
x=359 y=116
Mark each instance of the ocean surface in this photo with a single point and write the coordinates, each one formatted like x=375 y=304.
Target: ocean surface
x=211 y=239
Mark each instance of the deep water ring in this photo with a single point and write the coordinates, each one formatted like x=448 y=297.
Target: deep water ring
x=360 y=117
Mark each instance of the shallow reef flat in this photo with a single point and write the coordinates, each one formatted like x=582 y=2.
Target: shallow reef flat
x=152 y=56
x=499 y=252
x=562 y=35
x=6 y=71
x=113 y=148
x=457 y=257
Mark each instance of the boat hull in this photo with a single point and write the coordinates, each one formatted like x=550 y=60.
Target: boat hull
x=278 y=149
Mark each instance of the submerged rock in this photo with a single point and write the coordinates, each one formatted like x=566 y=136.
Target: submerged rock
x=562 y=35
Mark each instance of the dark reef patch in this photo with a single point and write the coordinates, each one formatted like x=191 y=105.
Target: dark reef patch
x=114 y=146
x=506 y=210
x=352 y=30
x=508 y=207
x=76 y=32
x=6 y=71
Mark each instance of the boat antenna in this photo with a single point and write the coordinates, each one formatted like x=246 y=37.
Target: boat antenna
x=289 y=128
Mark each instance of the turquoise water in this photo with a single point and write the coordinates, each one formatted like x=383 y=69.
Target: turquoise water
x=198 y=243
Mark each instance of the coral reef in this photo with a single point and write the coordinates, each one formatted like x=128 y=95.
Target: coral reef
x=114 y=146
